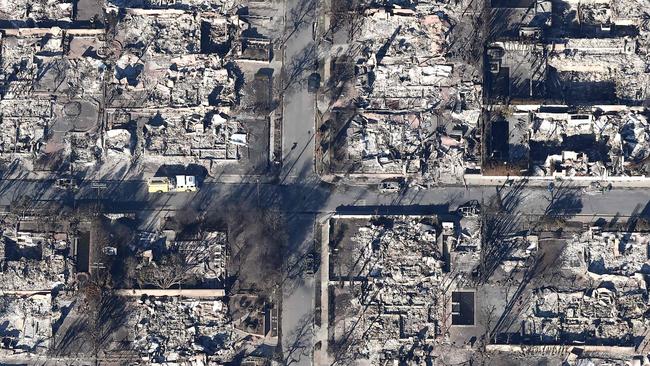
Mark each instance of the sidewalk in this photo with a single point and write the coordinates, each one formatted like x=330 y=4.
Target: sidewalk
x=617 y=182
x=321 y=333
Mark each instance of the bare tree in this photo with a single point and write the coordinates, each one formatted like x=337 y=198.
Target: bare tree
x=345 y=15
x=131 y=272
x=171 y=270
x=258 y=241
x=93 y=297
x=564 y=202
x=99 y=314
x=301 y=15
x=499 y=221
x=298 y=66
x=488 y=320
x=298 y=341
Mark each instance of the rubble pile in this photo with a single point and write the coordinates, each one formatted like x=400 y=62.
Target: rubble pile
x=602 y=315
x=55 y=84
x=629 y=137
x=28 y=119
x=596 y=13
x=182 y=99
x=628 y=11
x=624 y=72
x=52 y=301
x=203 y=256
x=408 y=27
x=406 y=144
x=599 y=298
x=616 y=253
x=417 y=109
x=220 y=6
x=182 y=92
x=181 y=83
x=163 y=61
x=594 y=293
x=392 y=282
x=84 y=150
x=454 y=149
x=34 y=262
x=50 y=92
x=165 y=32
x=119 y=142
x=396 y=293
x=26 y=323
x=183 y=331
x=620 y=143
x=94 y=89
x=468 y=236
x=36 y=10
x=209 y=253
x=398 y=68
x=388 y=143
x=214 y=137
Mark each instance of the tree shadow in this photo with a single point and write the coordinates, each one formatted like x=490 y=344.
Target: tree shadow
x=564 y=202
x=500 y=219
x=299 y=341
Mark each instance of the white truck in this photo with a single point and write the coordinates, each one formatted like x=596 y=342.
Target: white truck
x=179 y=183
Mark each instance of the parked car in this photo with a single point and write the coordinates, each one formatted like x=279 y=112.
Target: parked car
x=390 y=186
x=67 y=183
x=310 y=263
x=597 y=188
x=469 y=209
x=313 y=83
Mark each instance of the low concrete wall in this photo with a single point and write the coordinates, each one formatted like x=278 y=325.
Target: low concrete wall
x=622 y=182
x=559 y=349
x=199 y=293
x=25 y=292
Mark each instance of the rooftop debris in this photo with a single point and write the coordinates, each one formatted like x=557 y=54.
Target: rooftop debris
x=73 y=286
x=183 y=331
x=173 y=66
x=580 y=77
x=27 y=323
x=388 y=285
x=587 y=142
x=417 y=109
x=35 y=262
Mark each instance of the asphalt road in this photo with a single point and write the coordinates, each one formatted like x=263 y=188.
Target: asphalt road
x=297 y=168
x=302 y=202
x=314 y=197
x=298 y=105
